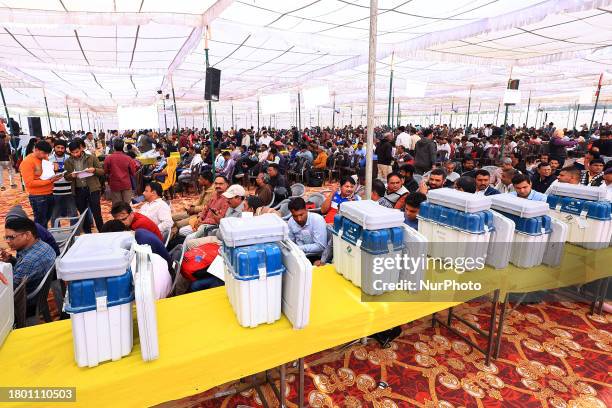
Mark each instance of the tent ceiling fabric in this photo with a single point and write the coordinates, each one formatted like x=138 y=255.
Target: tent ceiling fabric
x=100 y=54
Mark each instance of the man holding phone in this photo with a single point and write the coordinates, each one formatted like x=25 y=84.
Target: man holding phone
x=213 y=211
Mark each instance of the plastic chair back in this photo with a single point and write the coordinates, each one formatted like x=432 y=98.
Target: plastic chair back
x=171 y=173
x=297 y=190
x=20 y=303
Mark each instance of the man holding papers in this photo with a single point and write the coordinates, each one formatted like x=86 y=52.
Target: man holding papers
x=83 y=170
x=38 y=182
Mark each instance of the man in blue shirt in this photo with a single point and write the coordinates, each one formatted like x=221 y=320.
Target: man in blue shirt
x=411 y=209
x=307 y=229
x=34 y=257
x=44 y=235
x=522 y=188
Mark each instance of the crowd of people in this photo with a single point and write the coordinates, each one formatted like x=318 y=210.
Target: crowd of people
x=248 y=171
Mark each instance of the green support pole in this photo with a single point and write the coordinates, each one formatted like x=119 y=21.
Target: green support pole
x=6 y=110
x=467 y=117
x=212 y=133
x=390 y=92
x=392 y=111
x=576 y=118
x=501 y=152
x=528 y=105
x=68 y=112
x=497 y=115
x=595 y=106
x=334 y=114
x=399 y=115
x=299 y=113
x=257 y=114
x=176 y=114
x=48 y=116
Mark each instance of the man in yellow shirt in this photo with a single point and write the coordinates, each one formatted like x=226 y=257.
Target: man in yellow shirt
x=320 y=163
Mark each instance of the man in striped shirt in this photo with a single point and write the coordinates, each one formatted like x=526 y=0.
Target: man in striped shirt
x=63 y=199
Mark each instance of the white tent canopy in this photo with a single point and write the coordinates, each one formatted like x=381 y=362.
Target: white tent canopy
x=97 y=55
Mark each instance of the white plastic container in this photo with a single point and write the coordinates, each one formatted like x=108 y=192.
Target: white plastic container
x=511 y=204
x=370 y=215
x=253 y=230
x=101 y=317
x=144 y=287
x=96 y=255
x=459 y=200
x=7 y=312
x=415 y=247
x=454 y=243
x=586 y=211
x=297 y=285
x=556 y=242
x=500 y=245
x=253 y=282
x=579 y=191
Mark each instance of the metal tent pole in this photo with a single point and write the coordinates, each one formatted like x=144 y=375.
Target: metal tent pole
x=371 y=97
x=81 y=118
x=88 y=122
x=467 y=117
x=389 y=117
x=68 y=112
x=392 y=110
x=176 y=111
x=258 y=114
x=233 y=125
x=6 y=110
x=47 y=109
x=497 y=114
x=528 y=106
x=210 y=120
x=299 y=107
x=478 y=117
x=596 y=102
x=334 y=114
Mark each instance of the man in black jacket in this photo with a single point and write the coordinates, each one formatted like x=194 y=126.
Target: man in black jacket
x=407 y=173
x=425 y=152
x=384 y=152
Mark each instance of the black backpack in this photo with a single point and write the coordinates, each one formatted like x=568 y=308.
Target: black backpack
x=387 y=336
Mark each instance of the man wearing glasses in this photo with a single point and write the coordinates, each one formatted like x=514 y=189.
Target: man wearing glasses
x=34 y=257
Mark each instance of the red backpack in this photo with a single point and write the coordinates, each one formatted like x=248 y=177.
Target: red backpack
x=197 y=259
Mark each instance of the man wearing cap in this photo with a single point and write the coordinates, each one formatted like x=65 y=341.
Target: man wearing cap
x=235 y=198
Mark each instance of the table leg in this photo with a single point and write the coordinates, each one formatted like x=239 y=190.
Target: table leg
x=283 y=385
x=301 y=383
x=602 y=296
x=597 y=294
x=500 y=326
x=492 y=326
x=433 y=320
x=450 y=316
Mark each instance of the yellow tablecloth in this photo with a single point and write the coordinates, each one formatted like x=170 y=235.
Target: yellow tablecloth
x=146 y=160
x=201 y=345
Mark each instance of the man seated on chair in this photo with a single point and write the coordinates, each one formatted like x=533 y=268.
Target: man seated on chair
x=341 y=193
x=307 y=229
x=133 y=220
x=190 y=214
x=17 y=212
x=263 y=189
x=156 y=209
x=184 y=170
x=211 y=213
x=33 y=256
x=228 y=167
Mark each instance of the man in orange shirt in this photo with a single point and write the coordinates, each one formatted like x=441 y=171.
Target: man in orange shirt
x=40 y=191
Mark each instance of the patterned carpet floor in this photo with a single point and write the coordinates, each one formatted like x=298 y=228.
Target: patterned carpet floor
x=554 y=355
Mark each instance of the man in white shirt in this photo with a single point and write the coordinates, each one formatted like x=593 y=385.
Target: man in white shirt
x=505 y=183
x=155 y=208
x=403 y=139
x=414 y=138
x=265 y=139
x=90 y=143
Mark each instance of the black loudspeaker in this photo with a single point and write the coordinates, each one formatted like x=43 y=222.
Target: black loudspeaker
x=513 y=84
x=213 y=83
x=35 y=127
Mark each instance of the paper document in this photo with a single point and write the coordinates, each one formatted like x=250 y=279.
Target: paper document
x=216 y=268
x=47 y=170
x=82 y=174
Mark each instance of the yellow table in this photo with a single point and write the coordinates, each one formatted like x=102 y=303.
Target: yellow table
x=201 y=345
